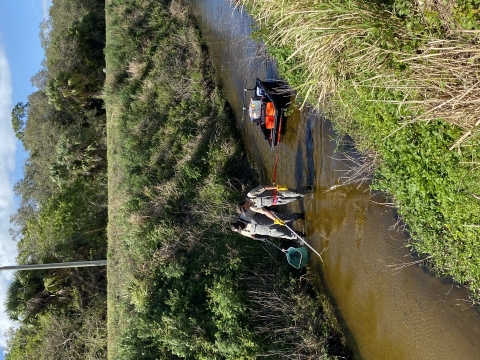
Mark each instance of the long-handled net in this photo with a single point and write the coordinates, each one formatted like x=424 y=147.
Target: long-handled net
x=297 y=257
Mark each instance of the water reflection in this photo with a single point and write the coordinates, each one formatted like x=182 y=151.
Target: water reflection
x=309 y=151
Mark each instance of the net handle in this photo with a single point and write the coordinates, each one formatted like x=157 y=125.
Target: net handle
x=267 y=241
x=300 y=238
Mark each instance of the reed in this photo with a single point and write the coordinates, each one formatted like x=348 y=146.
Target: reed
x=325 y=41
x=358 y=43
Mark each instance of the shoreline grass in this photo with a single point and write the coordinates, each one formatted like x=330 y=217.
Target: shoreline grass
x=400 y=78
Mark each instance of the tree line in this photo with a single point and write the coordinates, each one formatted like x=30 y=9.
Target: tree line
x=62 y=214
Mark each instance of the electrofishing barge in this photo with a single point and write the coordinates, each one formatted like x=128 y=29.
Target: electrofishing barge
x=267 y=108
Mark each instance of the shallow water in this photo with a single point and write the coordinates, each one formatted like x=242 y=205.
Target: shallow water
x=389 y=307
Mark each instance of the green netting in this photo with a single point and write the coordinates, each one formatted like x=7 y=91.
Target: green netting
x=297 y=257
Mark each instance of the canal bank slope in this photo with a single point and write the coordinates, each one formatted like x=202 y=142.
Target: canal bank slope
x=180 y=283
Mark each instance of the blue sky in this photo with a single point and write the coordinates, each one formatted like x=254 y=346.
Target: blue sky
x=20 y=59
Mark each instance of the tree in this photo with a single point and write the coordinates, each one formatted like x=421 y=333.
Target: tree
x=62 y=214
x=39 y=80
x=19 y=116
x=71 y=91
x=61 y=335
x=27 y=297
x=79 y=153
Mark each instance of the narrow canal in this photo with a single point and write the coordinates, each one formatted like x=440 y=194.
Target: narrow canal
x=389 y=307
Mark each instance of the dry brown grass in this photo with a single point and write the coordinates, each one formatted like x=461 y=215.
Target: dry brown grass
x=359 y=169
x=443 y=83
x=135 y=70
x=444 y=9
x=178 y=10
x=333 y=42
x=116 y=198
x=285 y=315
x=324 y=40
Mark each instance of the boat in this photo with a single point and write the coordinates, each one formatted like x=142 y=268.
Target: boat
x=267 y=108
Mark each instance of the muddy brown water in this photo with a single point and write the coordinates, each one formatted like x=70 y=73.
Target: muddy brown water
x=389 y=307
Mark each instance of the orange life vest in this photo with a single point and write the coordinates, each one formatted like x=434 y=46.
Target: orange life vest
x=269 y=115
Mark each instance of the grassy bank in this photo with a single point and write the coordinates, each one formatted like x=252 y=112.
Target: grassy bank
x=180 y=283
x=401 y=78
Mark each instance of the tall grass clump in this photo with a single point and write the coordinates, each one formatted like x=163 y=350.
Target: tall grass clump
x=401 y=78
x=402 y=46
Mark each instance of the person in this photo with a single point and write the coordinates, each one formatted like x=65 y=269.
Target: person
x=267 y=217
x=264 y=216
x=265 y=196
x=251 y=230
x=252 y=223
x=269 y=195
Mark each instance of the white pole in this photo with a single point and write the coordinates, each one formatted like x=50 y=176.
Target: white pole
x=56 y=265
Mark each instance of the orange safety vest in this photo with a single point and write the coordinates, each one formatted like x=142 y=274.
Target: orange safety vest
x=269 y=115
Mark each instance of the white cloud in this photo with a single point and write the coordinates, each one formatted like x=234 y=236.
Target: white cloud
x=45 y=6
x=7 y=166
